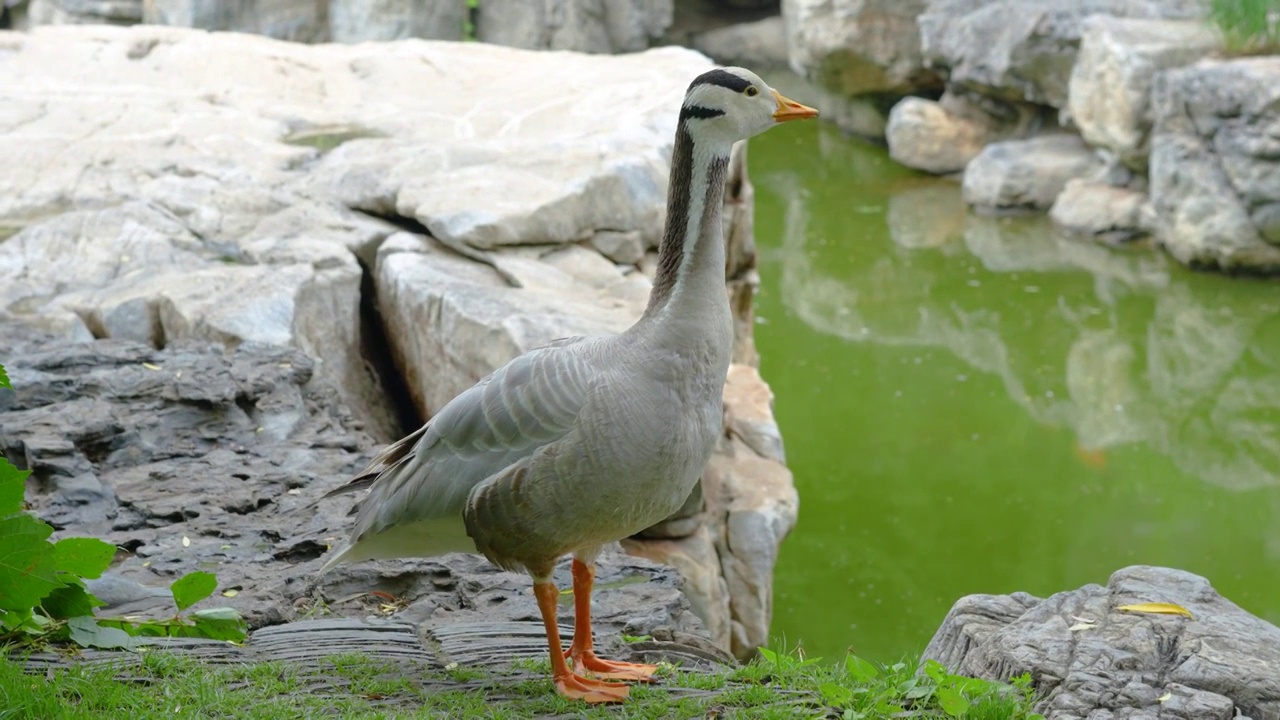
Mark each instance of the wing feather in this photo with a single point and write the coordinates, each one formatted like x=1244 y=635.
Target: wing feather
x=526 y=404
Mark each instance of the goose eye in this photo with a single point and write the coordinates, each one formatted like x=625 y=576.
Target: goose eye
x=751 y=91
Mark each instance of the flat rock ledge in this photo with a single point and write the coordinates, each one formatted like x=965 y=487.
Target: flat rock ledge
x=316 y=260
x=1090 y=660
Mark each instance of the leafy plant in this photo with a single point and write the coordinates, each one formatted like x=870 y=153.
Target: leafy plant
x=43 y=596
x=861 y=690
x=1248 y=26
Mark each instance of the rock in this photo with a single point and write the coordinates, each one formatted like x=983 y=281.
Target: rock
x=83 y=12
x=362 y=20
x=1109 y=96
x=1026 y=174
x=453 y=321
x=298 y=20
x=1090 y=660
x=851 y=47
x=940 y=136
x=593 y=26
x=1213 y=163
x=205 y=187
x=757 y=45
x=1023 y=49
x=748 y=409
x=621 y=247
x=1094 y=208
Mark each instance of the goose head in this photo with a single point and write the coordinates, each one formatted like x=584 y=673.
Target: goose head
x=733 y=103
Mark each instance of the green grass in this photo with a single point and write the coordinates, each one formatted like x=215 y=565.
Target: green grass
x=351 y=686
x=1249 y=27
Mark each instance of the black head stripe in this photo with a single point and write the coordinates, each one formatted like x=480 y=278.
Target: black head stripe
x=697 y=111
x=723 y=78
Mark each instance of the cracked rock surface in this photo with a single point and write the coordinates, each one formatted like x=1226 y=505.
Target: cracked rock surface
x=1090 y=660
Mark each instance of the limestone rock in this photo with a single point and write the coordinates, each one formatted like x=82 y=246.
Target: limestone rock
x=851 y=47
x=1092 y=660
x=1023 y=49
x=1095 y=208
x=621 y=247
x=928 y=135
x=757 y=45
x=1213 y=164
x=1109 y=96
x=1026 y=174
x=298 y=20
x=361 y=20
x=452 y=321
x=227 y=181
x=594 y=26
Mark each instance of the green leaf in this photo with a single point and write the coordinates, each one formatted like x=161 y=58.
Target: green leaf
x=83 y=557
x=836 y=695
x=953 y=703
x=860 y=670
x=86 y=632
x=192 y=588
x=935 y=670
x=27 y=571
x=13 y=484
x=4 y=379
x=222 y=623
x=68 y=601
x=770 y=656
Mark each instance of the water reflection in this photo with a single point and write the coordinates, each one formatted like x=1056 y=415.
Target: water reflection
x=1147 y=353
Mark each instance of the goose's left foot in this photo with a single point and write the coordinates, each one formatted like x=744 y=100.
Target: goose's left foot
x=580 y=653
x=585 y=660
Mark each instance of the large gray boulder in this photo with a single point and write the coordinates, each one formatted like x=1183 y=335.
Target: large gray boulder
x=1026 y=174
x=852 y=47
x=1215 y=180
x=1023 y=49
x=942 y=136
x=594 y=26
x=1109 y=96
x=1091 y=660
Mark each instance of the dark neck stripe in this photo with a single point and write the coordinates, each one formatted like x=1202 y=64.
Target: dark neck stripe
x=723 y=78
x=671 y=252
x=699 y=112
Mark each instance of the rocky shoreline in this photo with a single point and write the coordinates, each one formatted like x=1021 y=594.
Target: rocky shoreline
x=165 y=185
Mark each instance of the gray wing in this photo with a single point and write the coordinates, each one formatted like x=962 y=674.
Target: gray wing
x=526 y=404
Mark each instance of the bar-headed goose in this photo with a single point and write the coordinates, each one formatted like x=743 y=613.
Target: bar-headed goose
x=588 y=440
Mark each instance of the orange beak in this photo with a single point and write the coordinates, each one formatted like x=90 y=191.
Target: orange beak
x=791 y=110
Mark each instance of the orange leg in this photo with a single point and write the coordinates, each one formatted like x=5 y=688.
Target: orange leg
x=567 y=683
x=581 y=652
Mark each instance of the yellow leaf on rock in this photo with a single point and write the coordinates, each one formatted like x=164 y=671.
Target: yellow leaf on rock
x=150 y=366
x=1158 y=608
x=1165 y=697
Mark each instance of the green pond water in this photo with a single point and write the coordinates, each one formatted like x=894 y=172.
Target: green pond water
x=981 y=405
